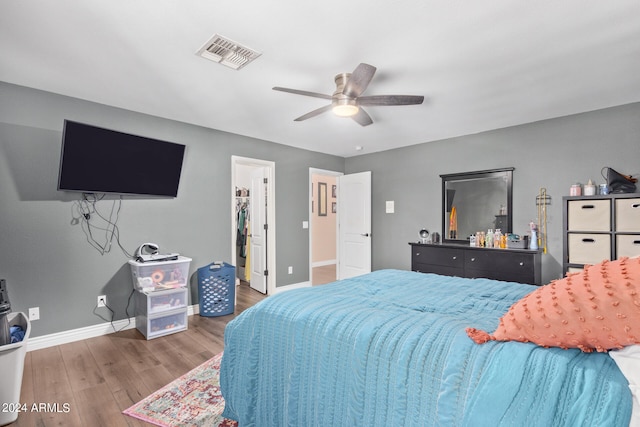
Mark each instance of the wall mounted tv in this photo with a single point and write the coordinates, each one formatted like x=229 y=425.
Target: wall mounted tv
x=97 y=160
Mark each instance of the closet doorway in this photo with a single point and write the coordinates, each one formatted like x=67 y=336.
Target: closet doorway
x=323 y=231
x=253 y=222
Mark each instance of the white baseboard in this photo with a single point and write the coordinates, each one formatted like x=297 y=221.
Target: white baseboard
x=87 y=332
x=323 y=263
x=292 y=286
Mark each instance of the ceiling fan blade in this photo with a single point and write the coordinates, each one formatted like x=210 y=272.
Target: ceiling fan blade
x=359 y=80
x=314 y=113
x=390 y=100
x=362 y=118
x=303 y=92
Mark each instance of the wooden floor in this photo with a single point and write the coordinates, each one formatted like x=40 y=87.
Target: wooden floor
x=323 y=274
x=90 y=382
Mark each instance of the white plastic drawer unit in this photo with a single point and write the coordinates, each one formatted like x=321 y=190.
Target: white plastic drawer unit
x=589 y=215
x=154 y=276
x=628 y=215
x=167 y=324
x=161 y=301
x=587 y=248
x=162 y=312
x=628 y=245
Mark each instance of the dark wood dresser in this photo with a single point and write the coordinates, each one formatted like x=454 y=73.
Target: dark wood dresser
x=512 y=265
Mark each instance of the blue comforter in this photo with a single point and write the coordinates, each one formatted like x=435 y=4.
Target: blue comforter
x=390 y=349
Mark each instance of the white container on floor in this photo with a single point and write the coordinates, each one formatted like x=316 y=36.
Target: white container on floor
x=11 y=369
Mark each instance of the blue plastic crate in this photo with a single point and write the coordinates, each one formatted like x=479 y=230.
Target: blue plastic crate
x=217 y=289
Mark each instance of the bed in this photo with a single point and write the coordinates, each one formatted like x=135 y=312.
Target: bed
x=390 y=348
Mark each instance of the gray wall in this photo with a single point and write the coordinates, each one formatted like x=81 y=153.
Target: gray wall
x=552 y=154
x=49 y=264
x=46 y=259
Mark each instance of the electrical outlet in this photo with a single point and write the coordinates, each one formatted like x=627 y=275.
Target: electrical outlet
x=102 y=300
x=390 y=206
x=34 y=313
x=290 y=270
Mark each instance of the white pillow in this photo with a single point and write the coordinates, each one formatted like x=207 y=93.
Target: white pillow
x=628 y=360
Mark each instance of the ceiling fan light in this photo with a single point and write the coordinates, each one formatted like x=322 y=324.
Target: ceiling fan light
x=345 y=110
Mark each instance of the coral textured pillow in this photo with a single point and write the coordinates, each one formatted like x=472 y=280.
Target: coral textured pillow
x=595 y=309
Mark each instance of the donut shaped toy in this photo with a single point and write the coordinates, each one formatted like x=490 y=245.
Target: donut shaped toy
x=157 y=276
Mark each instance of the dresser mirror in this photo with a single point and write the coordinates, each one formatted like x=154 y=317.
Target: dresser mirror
x=476 y=201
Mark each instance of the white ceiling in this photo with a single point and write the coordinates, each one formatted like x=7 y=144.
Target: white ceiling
x=481 y=65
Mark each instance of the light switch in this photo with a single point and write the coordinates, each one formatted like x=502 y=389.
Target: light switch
x=305 y=224
x=390 y=208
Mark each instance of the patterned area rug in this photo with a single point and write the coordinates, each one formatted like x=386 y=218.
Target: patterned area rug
x=194 y=399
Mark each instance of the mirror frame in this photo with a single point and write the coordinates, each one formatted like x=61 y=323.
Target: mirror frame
x=490 y=173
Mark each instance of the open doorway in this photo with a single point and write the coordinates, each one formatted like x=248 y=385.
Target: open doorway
x=253 y=222
x=323 y=206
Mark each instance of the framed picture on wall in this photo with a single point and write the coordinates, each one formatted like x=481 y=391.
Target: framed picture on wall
x=322 y=199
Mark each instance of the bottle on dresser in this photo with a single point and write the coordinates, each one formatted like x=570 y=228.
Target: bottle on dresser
x=489 y=238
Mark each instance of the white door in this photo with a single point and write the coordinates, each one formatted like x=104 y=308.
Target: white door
x=354 y=225
x=258 y=230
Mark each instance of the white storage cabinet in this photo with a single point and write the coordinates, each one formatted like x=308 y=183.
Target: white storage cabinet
x=597 y=228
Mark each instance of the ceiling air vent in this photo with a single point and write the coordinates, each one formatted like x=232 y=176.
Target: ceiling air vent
x=227 y=52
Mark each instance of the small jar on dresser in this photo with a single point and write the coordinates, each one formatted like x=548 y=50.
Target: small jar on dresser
x=600 y=227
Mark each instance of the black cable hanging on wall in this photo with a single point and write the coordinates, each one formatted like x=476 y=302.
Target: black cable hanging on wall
x=85 y=212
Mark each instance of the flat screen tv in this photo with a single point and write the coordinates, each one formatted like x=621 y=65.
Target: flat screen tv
x=97 y=160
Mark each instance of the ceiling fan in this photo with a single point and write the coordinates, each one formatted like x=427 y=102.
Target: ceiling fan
x=347 y=101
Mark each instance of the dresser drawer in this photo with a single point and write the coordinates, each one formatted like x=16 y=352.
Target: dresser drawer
x=628 y=215
x=515 y=264
x=480 y=260
x=438 y=256
x=589 y=215
x=438 y=269
x=497 y=259
x=588 y=248
x=498 y=265
x=627 y=245
x=527 y=277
